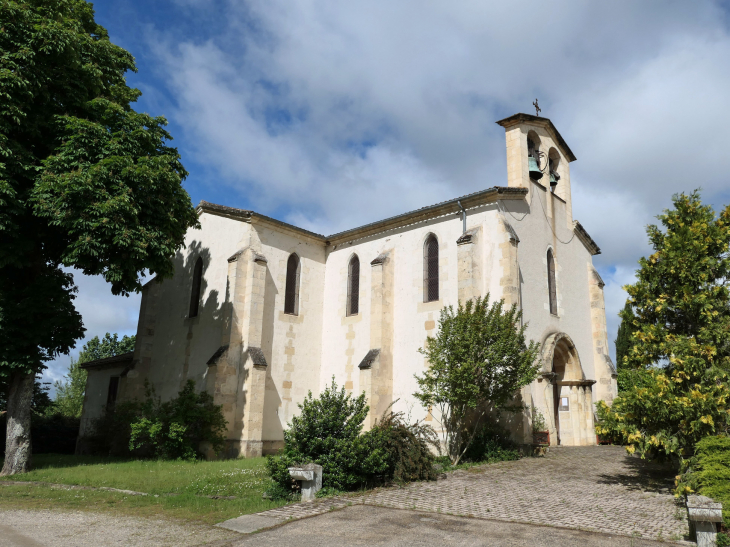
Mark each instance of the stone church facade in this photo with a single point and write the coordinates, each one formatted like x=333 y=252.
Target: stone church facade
x=260 y=312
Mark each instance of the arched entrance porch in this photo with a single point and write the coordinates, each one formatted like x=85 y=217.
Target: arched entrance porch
x=568 y=395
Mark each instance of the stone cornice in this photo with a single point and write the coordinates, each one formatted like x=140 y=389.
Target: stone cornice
x=587 y=240
x=476 y=199
x=543 y=122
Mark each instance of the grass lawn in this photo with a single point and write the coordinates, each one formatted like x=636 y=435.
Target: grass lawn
x=190 y=482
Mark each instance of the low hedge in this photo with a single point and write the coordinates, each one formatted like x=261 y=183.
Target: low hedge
x=708 y=474
x=50 y=434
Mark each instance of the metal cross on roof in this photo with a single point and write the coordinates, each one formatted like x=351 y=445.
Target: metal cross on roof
x=537 y=108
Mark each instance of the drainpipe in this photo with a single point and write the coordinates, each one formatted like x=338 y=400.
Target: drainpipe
x=463 y=215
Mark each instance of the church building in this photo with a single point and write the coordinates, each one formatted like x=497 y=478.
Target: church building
x=260 y=312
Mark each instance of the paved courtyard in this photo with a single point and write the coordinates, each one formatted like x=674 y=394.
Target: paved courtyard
x=598 y=489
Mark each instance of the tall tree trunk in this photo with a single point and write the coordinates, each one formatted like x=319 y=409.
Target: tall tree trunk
x=17 y=435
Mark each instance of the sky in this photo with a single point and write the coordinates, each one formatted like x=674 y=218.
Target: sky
x=330 y=114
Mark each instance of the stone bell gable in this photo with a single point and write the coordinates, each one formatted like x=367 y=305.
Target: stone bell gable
x=259 y=312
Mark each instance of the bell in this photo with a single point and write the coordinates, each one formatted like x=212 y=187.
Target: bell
x=554 y=178
x=535 y=172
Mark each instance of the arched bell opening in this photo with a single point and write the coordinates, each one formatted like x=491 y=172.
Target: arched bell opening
x=535 y=158
x=554 y=171
x=569 y=395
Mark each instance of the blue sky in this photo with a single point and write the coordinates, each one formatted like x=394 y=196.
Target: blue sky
x=331 y=114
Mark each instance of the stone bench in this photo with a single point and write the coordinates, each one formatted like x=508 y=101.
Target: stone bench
x=703 y=514
x=311 y=477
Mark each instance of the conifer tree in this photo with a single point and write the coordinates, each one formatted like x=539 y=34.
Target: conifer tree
x=623 y=336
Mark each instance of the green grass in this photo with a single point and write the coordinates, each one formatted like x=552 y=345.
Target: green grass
x=189 y=481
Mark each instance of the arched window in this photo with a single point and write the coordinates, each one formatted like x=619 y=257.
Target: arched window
x=353 y=286
x=291 y=296
x=195 y=291
x=431 y=269
x=551 y=283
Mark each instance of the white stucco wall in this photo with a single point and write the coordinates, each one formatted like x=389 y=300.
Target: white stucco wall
x=95 y=396
x=346 y=340
x=291 y=343
x=182 y=346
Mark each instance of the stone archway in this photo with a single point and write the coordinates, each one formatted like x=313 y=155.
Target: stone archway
x=569 y=396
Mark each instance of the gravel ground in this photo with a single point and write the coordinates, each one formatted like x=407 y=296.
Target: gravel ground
x=363 y=526
x=79 y=529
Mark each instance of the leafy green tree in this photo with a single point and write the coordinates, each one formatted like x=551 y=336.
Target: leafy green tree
x=70 y=391
x=478 y=362
x=85 y=182
x=682 y=336
x=109 y=346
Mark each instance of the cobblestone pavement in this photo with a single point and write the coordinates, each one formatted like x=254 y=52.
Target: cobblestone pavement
x=598 y=488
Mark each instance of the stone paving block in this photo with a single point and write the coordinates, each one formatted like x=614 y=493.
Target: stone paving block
x=597 y=488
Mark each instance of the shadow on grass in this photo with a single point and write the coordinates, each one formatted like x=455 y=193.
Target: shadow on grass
x=57 y=461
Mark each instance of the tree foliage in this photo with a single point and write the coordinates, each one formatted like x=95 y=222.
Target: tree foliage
x=85 y=181
x=681 y=340
x=477 y=362
x=182 y=428
x=70 y=391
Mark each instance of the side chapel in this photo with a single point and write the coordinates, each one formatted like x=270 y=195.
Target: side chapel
x=260 y=312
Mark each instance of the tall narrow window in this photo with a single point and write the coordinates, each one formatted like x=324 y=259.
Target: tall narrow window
x=551 y=283
x=291 y=296
x=195 y=292
x=353 y=286
x=111 y=396
x=431 y=269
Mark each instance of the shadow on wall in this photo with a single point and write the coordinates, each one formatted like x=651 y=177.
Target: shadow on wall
x=203 y=316
x=272 y=426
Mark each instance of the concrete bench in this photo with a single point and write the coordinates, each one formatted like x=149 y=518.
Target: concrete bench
x=703 y=514
x=311 y=477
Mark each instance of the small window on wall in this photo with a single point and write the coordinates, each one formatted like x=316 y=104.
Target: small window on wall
x=195 y=291
x=553 y=296
x=431 y=269
x=291 y=295
x=111 y=397
x=353 y=286
x=564 y=405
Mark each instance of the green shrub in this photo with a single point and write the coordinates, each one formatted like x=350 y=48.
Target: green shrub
x=327 y=432
x=538 y=420
x=492 y=444
x=401 y=452
x=708 y=473
x=170 y=430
